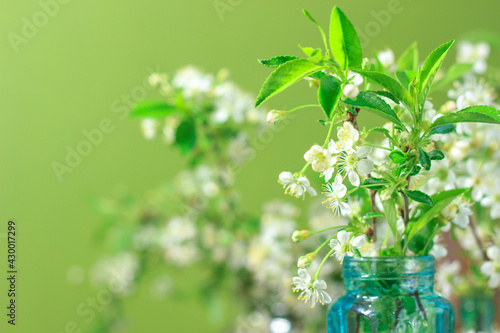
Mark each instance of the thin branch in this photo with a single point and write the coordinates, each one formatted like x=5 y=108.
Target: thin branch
x=473 y=227
x=407 y=203
x=374 y=210
x=419 y=303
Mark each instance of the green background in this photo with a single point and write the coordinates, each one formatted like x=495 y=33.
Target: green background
x=89 y=55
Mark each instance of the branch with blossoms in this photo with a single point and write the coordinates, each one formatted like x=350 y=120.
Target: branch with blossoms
x=385 y=175
x=471 y=160
x=196 y=220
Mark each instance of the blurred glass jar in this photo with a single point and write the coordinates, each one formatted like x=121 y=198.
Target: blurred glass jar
x=477 y=313
x=390 y=294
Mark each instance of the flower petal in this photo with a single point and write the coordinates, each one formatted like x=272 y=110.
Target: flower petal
x=353 y=178
x=319 y=284
x=359 y=241
x=365 y=166
x=345 y=209
x=343 y=237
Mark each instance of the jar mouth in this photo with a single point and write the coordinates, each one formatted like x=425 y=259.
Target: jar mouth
x=388 y=267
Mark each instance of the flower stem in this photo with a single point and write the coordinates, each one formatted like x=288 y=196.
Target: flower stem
x=324 y=243
x=376 y=146
x=323 y=230
x=303 y=107
x=304 y=169
x=330 y=131
x=322 y=263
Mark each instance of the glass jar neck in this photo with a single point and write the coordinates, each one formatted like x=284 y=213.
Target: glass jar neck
x=389 y=275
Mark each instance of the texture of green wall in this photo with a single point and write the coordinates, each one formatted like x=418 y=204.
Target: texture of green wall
x=68 y=72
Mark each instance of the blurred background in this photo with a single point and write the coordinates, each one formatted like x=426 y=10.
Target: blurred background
x=76 y=70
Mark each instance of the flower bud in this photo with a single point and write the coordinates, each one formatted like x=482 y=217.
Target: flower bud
x=386 y=194
x=351 y=91
x=366 y=64
x=306 y=261
x=300 y=235
x=275 y=116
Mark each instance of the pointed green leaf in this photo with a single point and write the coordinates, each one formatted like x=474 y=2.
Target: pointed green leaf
x=415 y=171
x=425 y=160
x=285 y=76
x=375 y=183
x=312 y=54
x=152 y=110
x=371 y=215
x=430 y=69
x=329 y=93
x=409 y=59
x=419 y=196
x=277 y=61
x=436 y=155
x=371 y=102
x=323 y=35
x=397 y=156
x=406 y=77
x=473 y=114
x=441 y=200
x=386 y=94
x=185 y=136
x=444 y=129
x=391 y=215
x=393 y=86
x=344 y=41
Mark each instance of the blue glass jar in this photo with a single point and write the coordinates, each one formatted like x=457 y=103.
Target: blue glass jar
x=477 y=313
x=390 y=294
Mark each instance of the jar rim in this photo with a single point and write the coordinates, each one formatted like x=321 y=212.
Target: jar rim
x=388 y=267
x=389 y=259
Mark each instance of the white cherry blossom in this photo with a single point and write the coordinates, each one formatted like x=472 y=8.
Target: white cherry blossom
x=354 y=162
x=314 y=290
x=296 y=186
x=344 y=245
x=335 y=194
x=318 y=157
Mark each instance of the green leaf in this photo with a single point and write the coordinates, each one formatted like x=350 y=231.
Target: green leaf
x=393 y=86
x=444 y=129
x=473 y=114
x=375 y=183
x=415 y=171
x=409 y=59
x=344 y=41
x=419 y=196
x=436 y=155
x=152 y=110
x=313 y=55
x=441 y=200
x=285 y=76
x=372 y=215
x=386 y=94
x=329 y=93
x=406 y=77
x=424 y=159
x=430 y=69
x=455 y=72
x=323 y=35
x=374 y=104
x=397 y=156
x=391 y=215
x=277 y=61
x=185 y=136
